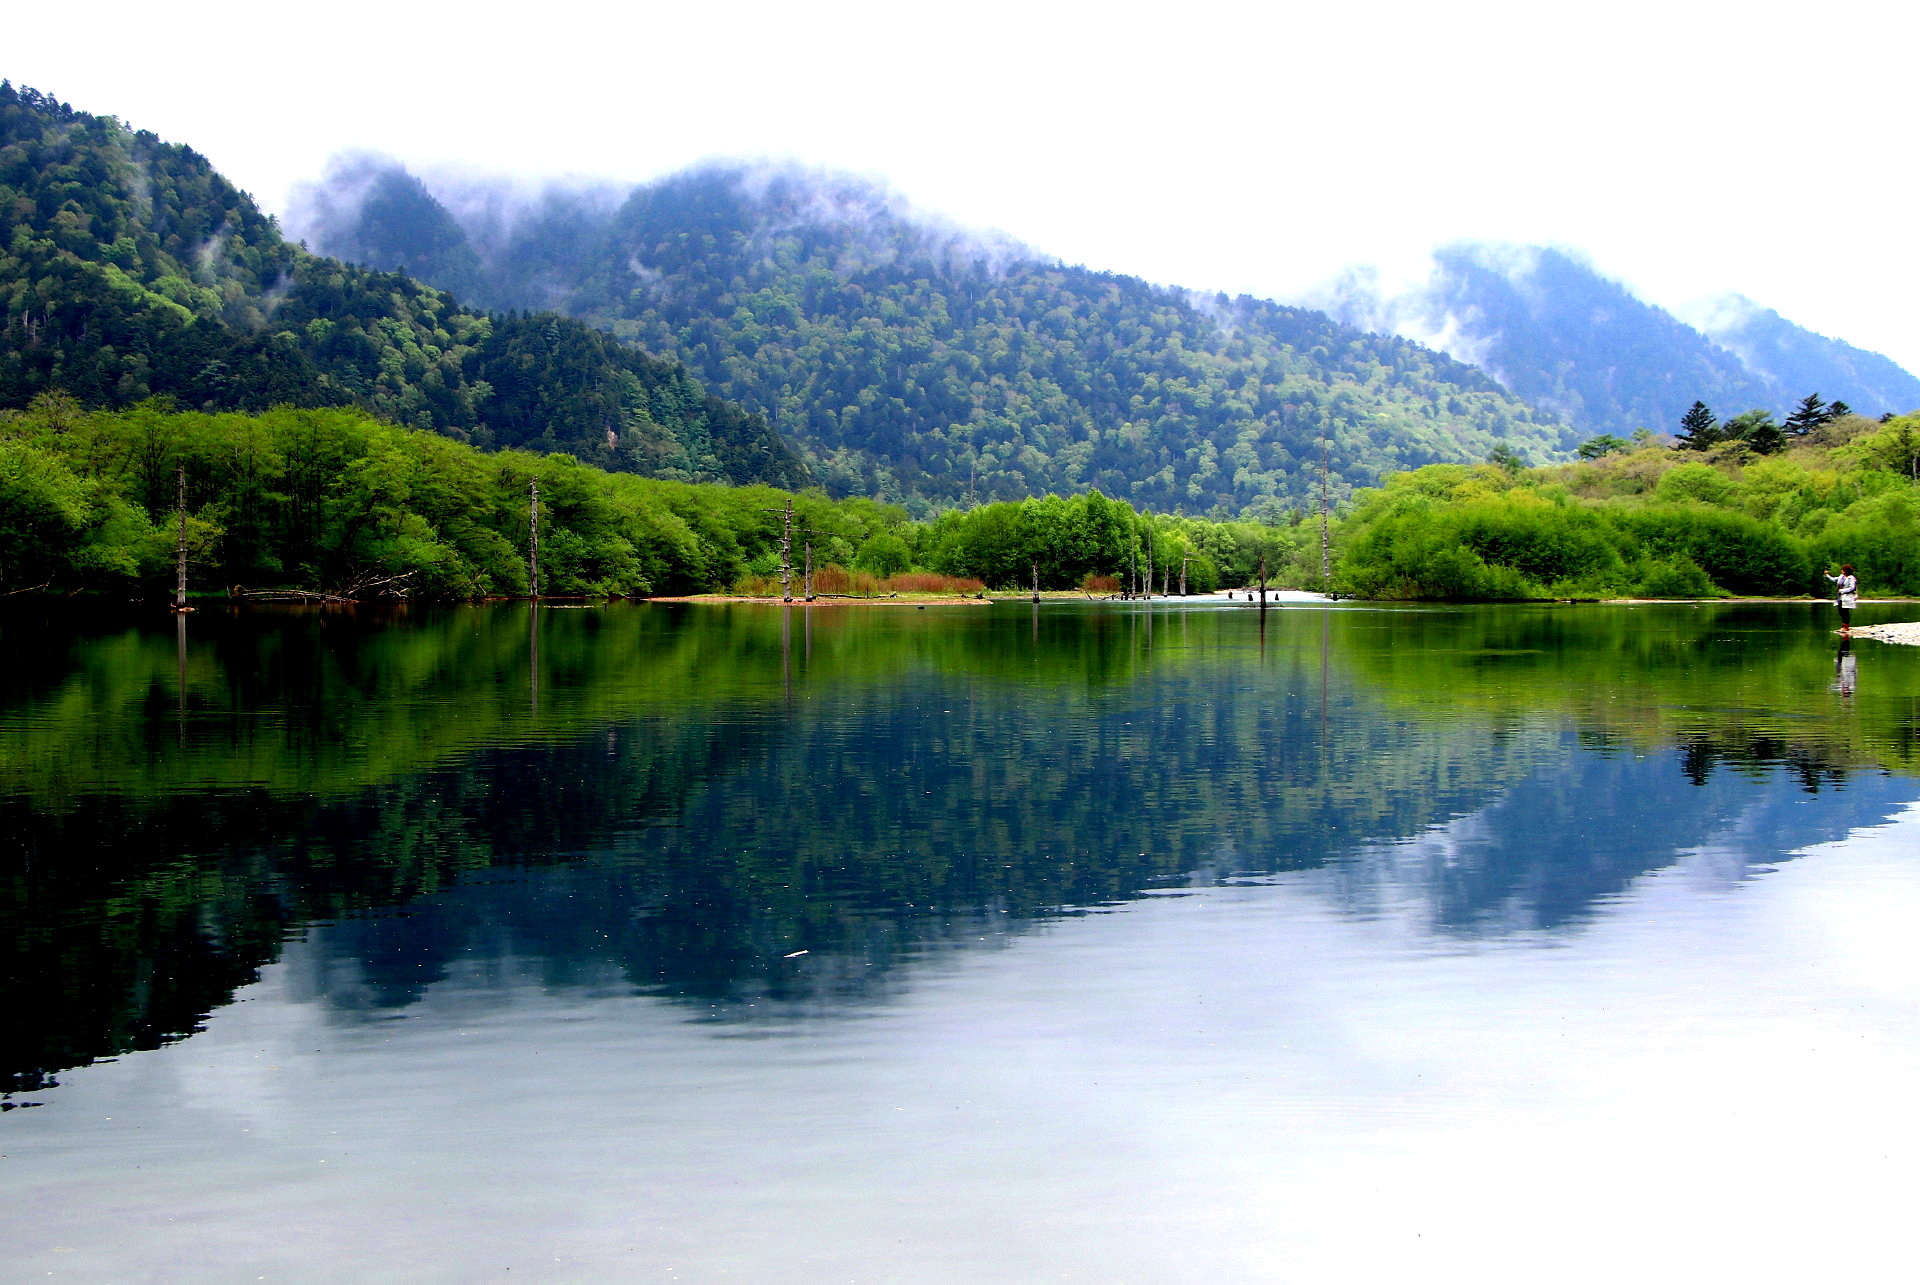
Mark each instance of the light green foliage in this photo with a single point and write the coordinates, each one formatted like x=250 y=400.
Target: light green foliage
x=1696 y=482
x=1676 y=577
x=332 y=500
x=1645 y=522
x=1894 y=446
x=1091 y=535
x=44 y=507
x=1483 y=546
x=883 y=554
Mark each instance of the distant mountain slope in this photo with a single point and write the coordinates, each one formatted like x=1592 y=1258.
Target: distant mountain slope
x=129 y=268
x=1799 y=361
x=924 y=364
x=1578 y=345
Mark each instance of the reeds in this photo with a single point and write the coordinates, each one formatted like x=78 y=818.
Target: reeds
x=835 y=581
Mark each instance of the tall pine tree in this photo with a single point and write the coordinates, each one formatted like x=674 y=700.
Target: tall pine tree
x=1810 y=414
x=1698 y=428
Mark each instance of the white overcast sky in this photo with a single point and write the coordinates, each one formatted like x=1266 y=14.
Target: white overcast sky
x=1687 y=148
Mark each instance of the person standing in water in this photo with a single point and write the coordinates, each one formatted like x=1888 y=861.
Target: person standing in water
x=1846 y=589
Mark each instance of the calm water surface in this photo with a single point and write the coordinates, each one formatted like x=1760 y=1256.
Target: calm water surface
x=1091 y=943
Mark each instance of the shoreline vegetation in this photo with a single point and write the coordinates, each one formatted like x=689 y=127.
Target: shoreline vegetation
x=332 y=505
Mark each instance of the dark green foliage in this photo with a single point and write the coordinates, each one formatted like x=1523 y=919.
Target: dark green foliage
x=1812 y=413
x=1699 y=429
x=1740 y=554
x=918 y=364
x=130 y=269
x=1605 y=444
x=1757 y=429
x=1071 y=539
x=1088 y=535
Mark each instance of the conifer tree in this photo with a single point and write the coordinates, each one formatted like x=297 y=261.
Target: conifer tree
x=1763 y=435
x=1698 y=428
x=1757 y=429
x=1810 y=414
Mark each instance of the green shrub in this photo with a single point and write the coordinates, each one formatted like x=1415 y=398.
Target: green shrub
x=1701 y=483
x=1674 y=577
x=1741 y=554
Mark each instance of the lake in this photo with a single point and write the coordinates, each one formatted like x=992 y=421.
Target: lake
x=1086 y=942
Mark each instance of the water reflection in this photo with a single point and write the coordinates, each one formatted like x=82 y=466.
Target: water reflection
x=745 y=814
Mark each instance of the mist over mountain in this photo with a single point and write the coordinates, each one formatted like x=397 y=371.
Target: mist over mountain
x=1798 y=360
x=130 y=269
x=927 y=364
x=1582 y=347
x=494 y=242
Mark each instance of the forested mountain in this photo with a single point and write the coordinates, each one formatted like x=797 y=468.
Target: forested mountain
x=1572 y=342
x=922 y=364
x=130 y=269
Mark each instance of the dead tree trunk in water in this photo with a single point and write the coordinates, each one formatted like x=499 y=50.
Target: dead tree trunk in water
x=180 y=554
x=1036 y=580
x=533 y=538
x=807 y=584
x=786 y=554
x=1326 y=560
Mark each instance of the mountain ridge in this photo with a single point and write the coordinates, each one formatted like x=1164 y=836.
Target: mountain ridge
x=922 y=363
x=1583 y=346
x=130 y=269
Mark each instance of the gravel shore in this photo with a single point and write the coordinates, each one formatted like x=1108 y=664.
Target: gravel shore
x=1902 y=633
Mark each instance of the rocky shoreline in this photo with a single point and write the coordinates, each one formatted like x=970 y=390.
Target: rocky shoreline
x=1908 y=633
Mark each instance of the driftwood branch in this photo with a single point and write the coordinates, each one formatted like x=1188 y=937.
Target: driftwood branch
x=359 y=586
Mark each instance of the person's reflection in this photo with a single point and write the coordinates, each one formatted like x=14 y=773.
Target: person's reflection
x=1845 y=674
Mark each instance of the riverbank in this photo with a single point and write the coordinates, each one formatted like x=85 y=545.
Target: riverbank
x=902 y=600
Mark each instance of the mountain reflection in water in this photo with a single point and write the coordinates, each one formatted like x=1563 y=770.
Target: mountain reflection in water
x=758 y=812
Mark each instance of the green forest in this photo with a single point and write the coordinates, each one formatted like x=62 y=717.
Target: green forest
x=922 y=365
x=328 y=501
x=333 y=501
